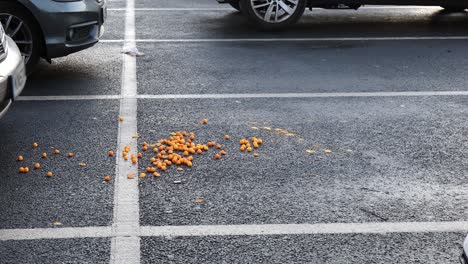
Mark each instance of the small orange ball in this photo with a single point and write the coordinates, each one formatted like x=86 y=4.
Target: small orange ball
x=142 y=175
x=223 y=152
x=140 y=155
x=21 y=170
x=110 y=153
x=107 y=178
x=156 y=174
x=227 y=137
x=44 y=155
x=56 y=151
x=205 y=121
x=219 y=146
x=70 y=154
x=37 y=166
x=144 y=148
x=26 y=170
x=256 y=154
x=49 y=174
x=20 y=158
x=217 y=156
x=35 y=145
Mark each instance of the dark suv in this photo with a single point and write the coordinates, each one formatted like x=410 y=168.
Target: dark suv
x=279 y=13
x=52 y=28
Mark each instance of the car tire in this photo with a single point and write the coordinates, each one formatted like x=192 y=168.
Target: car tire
x=28 y=36
x=273 y=14
x=235 y=4
x=454 y=8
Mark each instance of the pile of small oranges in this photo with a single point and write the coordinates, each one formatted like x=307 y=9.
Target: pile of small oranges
x=180 y=149
x=37 y=166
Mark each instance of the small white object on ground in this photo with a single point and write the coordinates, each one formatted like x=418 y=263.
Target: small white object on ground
x=132 y=51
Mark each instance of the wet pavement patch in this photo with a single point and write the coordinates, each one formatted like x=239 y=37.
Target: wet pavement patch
x=342 y=160
x=75 y=195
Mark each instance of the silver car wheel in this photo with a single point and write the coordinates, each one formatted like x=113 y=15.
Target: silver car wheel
x=274 y=11
x=16 y=29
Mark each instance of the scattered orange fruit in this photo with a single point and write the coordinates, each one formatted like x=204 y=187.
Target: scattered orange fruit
x=131 y=175
x=223 y=152
x=180 y=169
x=26 y=169
x=144 y=148
x=227 y=137
x=35 y=145
x=249 y=149
x=49 y=174
x=20 y=158
x=70 y=154
x=140 y=155
x=37 y=166
x=219 y=146
x=44 y=155
x=217 y=156
x=205 y=121
x=82 y=164
x=121 y=119
x=256 y=154
x=56 y=151
x=142 y=175
x=107 y=178
x=21 y=170
x=110 y=153
x=156 y=174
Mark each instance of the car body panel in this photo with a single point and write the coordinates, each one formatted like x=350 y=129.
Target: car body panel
x=56 y=18
x=11 y=68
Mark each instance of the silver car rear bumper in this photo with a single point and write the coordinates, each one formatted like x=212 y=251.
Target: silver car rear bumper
x=11 y=68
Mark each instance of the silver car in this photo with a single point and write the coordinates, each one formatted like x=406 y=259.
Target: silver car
x=12 y=72
x=52 y=28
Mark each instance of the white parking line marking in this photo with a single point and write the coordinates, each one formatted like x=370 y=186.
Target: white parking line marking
x=246 y=95
x=130 y=244
x=68 y=97
x=233 y=10
x=296 y=229
x=288 y=39
x=125 y=244
x=55 y=233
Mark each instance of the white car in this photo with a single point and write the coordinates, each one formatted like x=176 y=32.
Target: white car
x=12 y=72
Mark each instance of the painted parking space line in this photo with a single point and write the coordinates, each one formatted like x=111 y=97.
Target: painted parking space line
x=240 y=96
x=231 y=9
x=232 y=230
x=125 y=245
x=288 y=39
x=55 y=233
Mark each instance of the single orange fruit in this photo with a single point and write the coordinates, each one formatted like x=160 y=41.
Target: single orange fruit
x=142 y=175
x=49 y=174
x=219 y=146
x=35 y=145
x=217 y=156
x=140 y=155
x=205 y=121
x=21 y=170
x=227 y=137
x=37 y=166
x=56 y=151
x=107 y=178
x=256 y=154
x=156 y=174
x=20 y=158
x=26 y=169
x=44 y=155
x=70 y=154
x=223 y=152
x=110 y=153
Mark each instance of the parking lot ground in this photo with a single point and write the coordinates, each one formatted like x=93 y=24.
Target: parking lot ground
x=385 y=22
x=88 y=250
x=95 y=71
x=393 y=159
x=75 y=195
x=343 y=248
x=376 y=176
x=351 y=66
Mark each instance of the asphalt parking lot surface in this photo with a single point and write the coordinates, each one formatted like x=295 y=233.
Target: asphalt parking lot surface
x=360 y=136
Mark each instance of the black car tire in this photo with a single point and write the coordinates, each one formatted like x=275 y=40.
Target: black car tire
x=235 y=4
x=250 y=12
x=29 y=21
x=454 y=8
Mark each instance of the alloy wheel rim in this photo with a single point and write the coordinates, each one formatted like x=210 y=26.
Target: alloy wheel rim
x=16 y=29
x=274 y=11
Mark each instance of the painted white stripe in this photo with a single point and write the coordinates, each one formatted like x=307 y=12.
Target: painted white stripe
x=296 y=229
x=55 y=233
x=130 y=244
x=237 y=96
x=289 y=39
x=233 y=10
x=68 y=97
x=125 y=245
